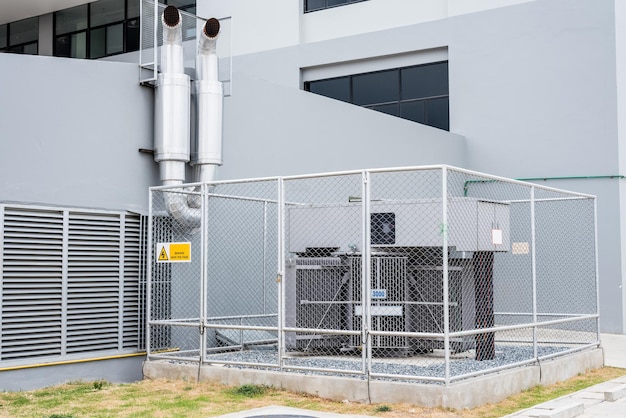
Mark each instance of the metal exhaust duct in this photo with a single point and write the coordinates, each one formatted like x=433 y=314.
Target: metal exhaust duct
x=172 y=124
x=206 y=153
x=172 y=115
x=172 y=103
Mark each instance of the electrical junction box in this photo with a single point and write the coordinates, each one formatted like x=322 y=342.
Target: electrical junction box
x=472 y=225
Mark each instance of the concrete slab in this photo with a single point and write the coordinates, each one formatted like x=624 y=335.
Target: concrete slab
x=569 y=410
x=615 y=393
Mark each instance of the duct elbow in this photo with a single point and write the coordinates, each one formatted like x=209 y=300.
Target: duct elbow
x=184 y=208
x=172 y=26
x=208 y=37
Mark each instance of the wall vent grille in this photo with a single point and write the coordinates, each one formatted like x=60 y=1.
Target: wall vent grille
x=70 y=281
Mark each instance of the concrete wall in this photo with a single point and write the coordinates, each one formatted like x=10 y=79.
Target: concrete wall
x=70 y=132
x=114 y=370
x=533 y=90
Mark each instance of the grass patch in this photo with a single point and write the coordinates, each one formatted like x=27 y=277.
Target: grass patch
x=250 y=391
x=184 y=399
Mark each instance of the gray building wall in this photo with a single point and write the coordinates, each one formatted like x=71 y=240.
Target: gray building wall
x=70 y=131
x=532 y=94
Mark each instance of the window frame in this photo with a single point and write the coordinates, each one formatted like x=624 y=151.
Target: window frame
x=125 y=22
x=394 y=107
x=326 y=6
x=18 y=48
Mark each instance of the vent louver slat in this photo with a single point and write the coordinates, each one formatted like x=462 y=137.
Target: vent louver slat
x=32 y=275
x=70 y=281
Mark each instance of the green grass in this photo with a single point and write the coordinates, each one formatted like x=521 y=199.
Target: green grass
x=165 y=398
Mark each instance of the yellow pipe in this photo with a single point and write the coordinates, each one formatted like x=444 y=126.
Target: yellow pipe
x=65 y=362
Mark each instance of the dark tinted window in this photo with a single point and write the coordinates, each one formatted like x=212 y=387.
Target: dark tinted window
x=375 y=88
x=4 y=41
x=99 y=29
x=71 y=20
x=335 y=88
x=417 y=93
x=425 y=81
x=24 y=31
x=390 y=109
x=437 y=113
x=313 y=5
x=103 y=12
x=415 y=111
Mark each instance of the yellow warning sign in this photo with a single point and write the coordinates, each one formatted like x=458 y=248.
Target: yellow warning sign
x=173 y=252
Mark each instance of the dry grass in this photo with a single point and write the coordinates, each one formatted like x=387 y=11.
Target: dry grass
x=165 y=398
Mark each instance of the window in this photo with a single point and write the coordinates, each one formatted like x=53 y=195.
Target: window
x=21 y=37
x=188 y=6
x=315 y=5
x=98 y=29
x=418 y=93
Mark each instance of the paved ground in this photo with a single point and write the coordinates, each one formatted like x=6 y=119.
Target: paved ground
x=604 y=400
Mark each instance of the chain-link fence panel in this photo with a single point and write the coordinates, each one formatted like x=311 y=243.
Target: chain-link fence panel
x=175 y=284
x=241 y=269
x=429 y=274
x=323 y=295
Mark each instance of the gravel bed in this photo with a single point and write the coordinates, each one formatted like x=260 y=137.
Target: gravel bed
x=417 y=366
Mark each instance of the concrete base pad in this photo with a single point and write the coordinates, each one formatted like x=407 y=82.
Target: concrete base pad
x=469 y=393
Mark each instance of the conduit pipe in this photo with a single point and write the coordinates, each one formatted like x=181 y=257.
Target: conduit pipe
x=206 y=153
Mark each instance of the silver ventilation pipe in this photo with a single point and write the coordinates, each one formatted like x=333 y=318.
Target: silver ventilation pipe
x=206 y=153
x=172 y=123
x=172 y=103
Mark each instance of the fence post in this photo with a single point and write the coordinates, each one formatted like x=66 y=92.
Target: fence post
x=533 y=258
x=365 y=275
x=280 y=268
x=445 y=290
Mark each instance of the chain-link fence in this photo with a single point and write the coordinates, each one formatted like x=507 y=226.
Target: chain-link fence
x=430 y=274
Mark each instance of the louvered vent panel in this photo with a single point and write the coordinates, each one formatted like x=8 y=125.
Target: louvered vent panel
x=93 y=293
x=132 y=270
x=32 y=272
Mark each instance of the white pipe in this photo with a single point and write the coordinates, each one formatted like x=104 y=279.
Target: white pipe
x=172 y=122
x=206 y=153
x=172 y=103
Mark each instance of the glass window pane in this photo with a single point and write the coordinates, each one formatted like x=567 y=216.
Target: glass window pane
x=132 y=35
x=181 y=3
x=70 y=20
x=336 y=88
x=375 y=87
x=24 y=31
x=106 y=11
x=115 y=39
x=62 y=46
x=336 y=2
x=425 y=81
x=79 y=45
x=390 y=109
x=97 y=43
x=31 y=49
x=3 y=36
x=314 y=5
x=437 y=113
x=413 y=111
x=132 y=9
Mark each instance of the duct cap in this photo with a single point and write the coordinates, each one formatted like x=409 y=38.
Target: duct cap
x=211 y=28
x=171 y=16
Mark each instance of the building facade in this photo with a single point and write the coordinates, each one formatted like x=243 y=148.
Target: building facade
x=527 y=89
